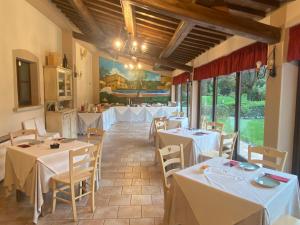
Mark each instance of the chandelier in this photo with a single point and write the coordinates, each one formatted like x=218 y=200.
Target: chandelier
x=130 y=47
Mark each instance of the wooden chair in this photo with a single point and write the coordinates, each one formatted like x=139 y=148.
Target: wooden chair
x=215 y=126
x=23 y=136
x=82 y=167
x=177 y=113
x=272 y=158
x=159 y=125
x=172 y=161
x=96 y=136
x=227 y=146
x=287 y=220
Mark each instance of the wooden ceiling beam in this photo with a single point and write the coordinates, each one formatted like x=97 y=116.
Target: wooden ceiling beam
x=212 y=18
x=129 y=18
x=206 y=39
x=246 y=10
x=144 y=57
x=87 y=17
x=197 y=42
x=180 y=34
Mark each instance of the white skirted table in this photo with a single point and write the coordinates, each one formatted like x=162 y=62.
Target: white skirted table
x=142 y=113
x=228 y=195
x=195 y=142
x=86 y=120
x=30 y=169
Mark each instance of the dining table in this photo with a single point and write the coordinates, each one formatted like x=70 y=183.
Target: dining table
x=30 y=166
x=222 y=191
x=195 y=142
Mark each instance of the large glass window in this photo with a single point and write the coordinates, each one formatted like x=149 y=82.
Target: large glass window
x=226 y=100
x=251 y=108
x=184 y=98
x=253 y=95
x=206 y=100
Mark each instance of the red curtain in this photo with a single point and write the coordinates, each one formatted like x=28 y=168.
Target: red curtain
x=239 y=60
x=294 y=44
x=182 y=78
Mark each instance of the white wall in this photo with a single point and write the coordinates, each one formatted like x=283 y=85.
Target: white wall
x=22 y=27
x=84 y=80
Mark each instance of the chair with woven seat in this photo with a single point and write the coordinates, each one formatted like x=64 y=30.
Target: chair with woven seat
x=22 y=136
x=96 y=136
x=215 y=126
x=271 y=157
x=227 y=146
x=172 y=161
x=82 y=167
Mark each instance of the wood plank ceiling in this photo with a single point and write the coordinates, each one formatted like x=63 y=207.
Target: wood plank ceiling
x=173 y=39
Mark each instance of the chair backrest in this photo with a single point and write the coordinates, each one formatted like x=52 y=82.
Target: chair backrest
x=160 y=123
x=272 y=158
x=83 y=162
x=227 y=144
x=178 y=113
x=203 y=122
x=172 y=160
x=20 y=136
x=215 y=126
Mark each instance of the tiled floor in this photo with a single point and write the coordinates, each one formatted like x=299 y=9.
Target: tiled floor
x=131 y=189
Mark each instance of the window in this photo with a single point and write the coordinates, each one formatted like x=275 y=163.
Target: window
x=252 y=108
x=24 y=86
x=206 y=100
x=184 y=98
x=27 y=93
x=226 y=100
x=238 y=101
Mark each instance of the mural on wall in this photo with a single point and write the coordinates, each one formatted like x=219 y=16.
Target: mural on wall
x=118 y=84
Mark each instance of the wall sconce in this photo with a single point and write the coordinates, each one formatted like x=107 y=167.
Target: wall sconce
x=269 y=69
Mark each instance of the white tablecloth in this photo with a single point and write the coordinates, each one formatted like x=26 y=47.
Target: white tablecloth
x=108 y=118
x=142 y=113
x=30 y=169
x=173 y=122
x=193 y=145
x=228 y=195
x=86 y=120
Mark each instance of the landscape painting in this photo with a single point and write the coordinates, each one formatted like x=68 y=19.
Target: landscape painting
x=118 y=84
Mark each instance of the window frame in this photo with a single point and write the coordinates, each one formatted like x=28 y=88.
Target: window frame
x=36 y=101
x=237 y=116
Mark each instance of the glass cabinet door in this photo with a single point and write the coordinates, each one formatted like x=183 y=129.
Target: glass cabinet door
x=68 y=85
x=61 y=84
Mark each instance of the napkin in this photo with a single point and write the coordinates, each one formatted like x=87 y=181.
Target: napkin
x=24 y=146
x=231 y=163
x=199 y=133
x=278 y=178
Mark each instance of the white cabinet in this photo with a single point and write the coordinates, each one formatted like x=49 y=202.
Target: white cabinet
x=58 y=83
x=63 y=122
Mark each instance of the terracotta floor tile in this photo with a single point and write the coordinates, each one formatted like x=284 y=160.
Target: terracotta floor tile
x=141 y=200
x=149 y=190
x=129 y=212
x=127 y=190
x=106 y=212
x=152 y=211
x=142 y=221
x=120 y=200
x=116 y=222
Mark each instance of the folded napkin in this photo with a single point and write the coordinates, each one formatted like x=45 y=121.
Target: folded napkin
x=276 y=177
x=231 y=163
x=24 y=146
x=199 y=133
